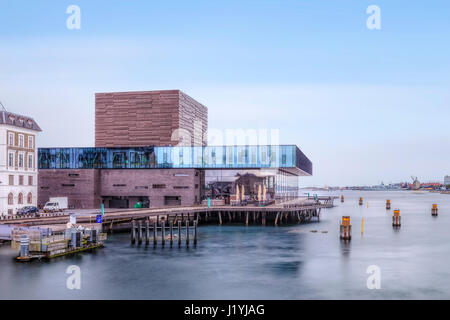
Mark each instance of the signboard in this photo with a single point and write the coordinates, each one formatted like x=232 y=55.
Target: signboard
x=103 y=209
x=73 y=219
x=99 y=218
x=209 y=203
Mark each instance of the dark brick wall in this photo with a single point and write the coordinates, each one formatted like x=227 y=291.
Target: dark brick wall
x=85 y=188
x=80 y=186
x=146 y=118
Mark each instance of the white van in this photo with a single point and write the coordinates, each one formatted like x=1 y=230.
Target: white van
x=56 y=204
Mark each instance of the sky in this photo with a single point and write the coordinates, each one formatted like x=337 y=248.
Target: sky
x=365 y=106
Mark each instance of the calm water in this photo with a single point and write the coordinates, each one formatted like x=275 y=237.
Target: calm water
x=234 y=262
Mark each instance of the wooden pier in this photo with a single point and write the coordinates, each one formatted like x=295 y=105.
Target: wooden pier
x=156 y=232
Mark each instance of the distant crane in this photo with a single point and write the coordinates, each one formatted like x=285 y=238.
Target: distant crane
x=3 y=107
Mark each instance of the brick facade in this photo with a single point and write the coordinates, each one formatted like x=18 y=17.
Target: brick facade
x=88 y=188
x=148 y=118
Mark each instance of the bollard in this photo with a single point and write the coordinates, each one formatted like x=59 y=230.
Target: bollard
x=434 y=210
x=342 y=198
x=346 y=229
x=360 y=201
x=396 y=219
x=388 y=204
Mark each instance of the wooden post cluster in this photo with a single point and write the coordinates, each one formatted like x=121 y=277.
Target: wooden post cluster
x=388 y=204
x=360 y=201
x=342 y=198
x=346 y=228
x=396 y=219
x=434 y=210
x=139 y=232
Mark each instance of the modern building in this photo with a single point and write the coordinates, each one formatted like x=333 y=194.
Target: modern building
x=447 y=181
x=145 y=153
x=18 y=168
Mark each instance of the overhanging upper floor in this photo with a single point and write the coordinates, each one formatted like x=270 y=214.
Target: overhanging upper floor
x=286 y=157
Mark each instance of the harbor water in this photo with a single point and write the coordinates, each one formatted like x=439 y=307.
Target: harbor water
x=306 y=261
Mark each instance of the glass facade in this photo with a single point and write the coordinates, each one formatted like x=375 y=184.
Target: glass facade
x=213 y=157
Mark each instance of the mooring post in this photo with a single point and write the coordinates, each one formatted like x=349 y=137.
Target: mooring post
x=179 y=233
x=171 y=232
x=187 y=232
x=133 y=232
x=220 y=218
x=360 y=201
x=246 y=219
x=434 y=210
x=195 y=233
x=342 y=198
x=155 y=233
x=140 y=232
x=396 y=219
x=346 y=229
x=388 y=204
x=147 y=232
x=276 y=218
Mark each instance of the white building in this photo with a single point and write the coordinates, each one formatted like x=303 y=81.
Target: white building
x=446 y=180
x=18 y=162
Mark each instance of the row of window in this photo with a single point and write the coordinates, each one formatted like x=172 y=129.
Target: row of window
x=20 y=160
x=21 y=180
x=21 y=142
x=20 y=198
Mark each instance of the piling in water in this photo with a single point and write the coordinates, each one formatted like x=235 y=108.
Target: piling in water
x=434 y=210
x=346 y=229
x=396 y=219
x=342 y=198
x=360 y=201
x=388 y=204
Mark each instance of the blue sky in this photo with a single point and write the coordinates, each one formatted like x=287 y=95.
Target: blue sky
x=365 y=105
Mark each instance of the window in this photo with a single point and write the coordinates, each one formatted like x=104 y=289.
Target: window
x=181 y=175
x=21 y=140
x=30 y=161
x=68 y=185
x=159 y=186
x=196 y=186
x=141 y=187
x=30 y=198
x=30 y=180
x=11 y=139
x=20 y=160
x=74 y=175
x=119 y=185
x=10 y=212
x=181 y=187
x=10 y=199
x=20 y=199
x=11 y=180
x=11 y=159
x=20 y=180
x=30 y=142
x=45 y=188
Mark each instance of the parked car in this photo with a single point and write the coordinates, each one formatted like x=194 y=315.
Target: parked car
x=56 y=204
x=28 y=210
x=52 y=207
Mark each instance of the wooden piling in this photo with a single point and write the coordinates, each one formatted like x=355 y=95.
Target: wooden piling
x=140 y=232
x=171 y=232
x=246 y=219
x=155 y=233
x=396 y=219
x=360 y=201
x=179 y=233
x=276 y=218
x=263 y=218
x=220 y=218
x=133 y=232
x=388 y=204
x=163 y=232
x=345 y=228
x=195 y=233
x=187 y=232
x=147 y=232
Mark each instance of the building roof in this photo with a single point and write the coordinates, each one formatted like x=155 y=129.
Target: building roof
x=19 y=121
